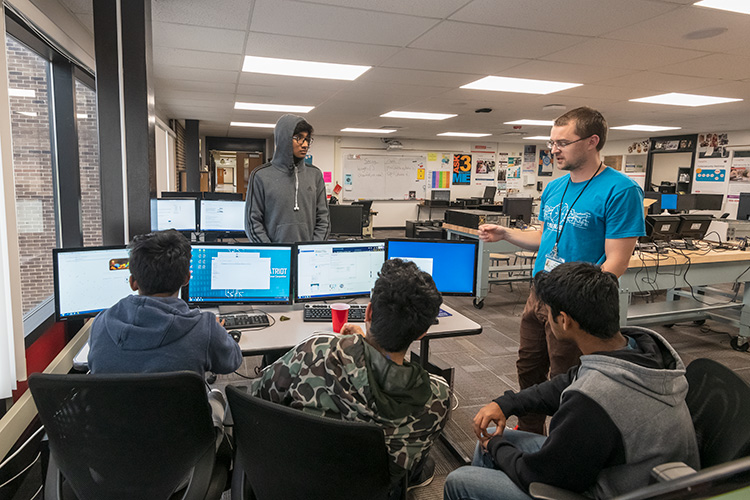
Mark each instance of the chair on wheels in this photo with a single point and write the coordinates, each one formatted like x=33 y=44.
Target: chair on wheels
x=282 y=452
x=128 y=436
x=719 y=404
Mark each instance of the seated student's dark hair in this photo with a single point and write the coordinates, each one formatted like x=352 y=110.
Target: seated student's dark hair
x=160 y=261
x=405 y=302
x=303 y=126
x=589 y=295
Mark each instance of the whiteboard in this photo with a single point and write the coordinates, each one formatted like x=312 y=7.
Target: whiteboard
x=384 y=177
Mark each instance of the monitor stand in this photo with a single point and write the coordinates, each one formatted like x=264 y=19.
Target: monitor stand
x=234 y=309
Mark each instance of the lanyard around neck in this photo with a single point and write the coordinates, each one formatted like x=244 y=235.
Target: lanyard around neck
x=562 y=199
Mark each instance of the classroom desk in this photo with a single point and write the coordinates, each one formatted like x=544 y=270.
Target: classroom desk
x=675 y=270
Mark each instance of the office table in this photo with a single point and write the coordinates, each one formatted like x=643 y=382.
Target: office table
x=675 y=270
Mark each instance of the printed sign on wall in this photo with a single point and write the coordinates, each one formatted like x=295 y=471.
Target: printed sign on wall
x=461 y=169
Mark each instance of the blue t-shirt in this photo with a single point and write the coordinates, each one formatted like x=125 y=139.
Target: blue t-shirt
x=611 y=207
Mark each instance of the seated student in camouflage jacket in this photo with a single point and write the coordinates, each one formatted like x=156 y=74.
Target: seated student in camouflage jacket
x=363 y=377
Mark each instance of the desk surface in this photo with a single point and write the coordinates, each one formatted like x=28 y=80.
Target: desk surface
x=647 y=259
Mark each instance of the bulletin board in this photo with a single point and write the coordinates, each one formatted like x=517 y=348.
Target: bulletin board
x=384 y=177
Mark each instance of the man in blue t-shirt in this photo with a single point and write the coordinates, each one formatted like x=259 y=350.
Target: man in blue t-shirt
x=593 y=214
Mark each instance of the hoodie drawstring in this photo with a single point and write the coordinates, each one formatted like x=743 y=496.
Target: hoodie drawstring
x=296 y=188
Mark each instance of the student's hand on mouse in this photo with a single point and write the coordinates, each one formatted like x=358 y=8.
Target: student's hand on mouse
x=491 y=232
x=220 y=320
x=489 y=414
x=352 y=329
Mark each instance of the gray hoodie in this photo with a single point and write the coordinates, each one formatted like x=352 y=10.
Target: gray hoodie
x=160 y=334
x=286 y=198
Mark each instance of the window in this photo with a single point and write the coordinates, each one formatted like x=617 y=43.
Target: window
x=28 y=82
x=88 y=154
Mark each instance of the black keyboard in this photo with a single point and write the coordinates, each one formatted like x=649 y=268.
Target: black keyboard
x=322 y=312
x=245 y=320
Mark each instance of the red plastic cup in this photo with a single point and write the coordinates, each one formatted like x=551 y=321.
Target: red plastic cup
x=339 y=316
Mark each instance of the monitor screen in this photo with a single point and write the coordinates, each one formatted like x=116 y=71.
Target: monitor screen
x=89 y=280
x=669 y=202
x=452 y=264
x=337 y=270
x=173 y=213
x=240 y=274
x=222 y=215
x=346 y=220
x=694 y=226
x=518 y=208
x=709 y=201
x=489 y=192
x=743 y=208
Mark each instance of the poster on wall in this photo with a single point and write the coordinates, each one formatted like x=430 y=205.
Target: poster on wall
x=545 y=163
x=711 y=175
x=461 y=169
x=739 y=175
x=712 y=145
x=484 y=168
x=440 y=179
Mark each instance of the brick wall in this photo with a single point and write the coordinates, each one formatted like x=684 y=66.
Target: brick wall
x=88 y=154
x=32 y=166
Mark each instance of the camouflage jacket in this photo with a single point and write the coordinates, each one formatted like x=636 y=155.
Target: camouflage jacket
x=333 y=375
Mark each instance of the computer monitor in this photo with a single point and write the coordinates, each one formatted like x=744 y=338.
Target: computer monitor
x=661 y=227
x=337 y=270
x=222 y=215
x=669 y=201
x=452 y=264
x=489 y=194
x=518 y=208
x=743 y=208
x=213 y=195
x=89 y=280
x=709 y=201
x=242 y=274
x=346 y=220
x=182 y=194
x=694 y=226
x=173 y=213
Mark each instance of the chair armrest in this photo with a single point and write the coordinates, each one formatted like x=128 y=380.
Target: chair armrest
x=546 y=492
x=670 y=471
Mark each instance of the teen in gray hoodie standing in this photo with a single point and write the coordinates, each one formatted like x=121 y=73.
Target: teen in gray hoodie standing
x=286 y=198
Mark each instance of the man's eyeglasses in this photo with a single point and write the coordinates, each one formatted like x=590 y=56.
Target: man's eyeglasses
x=300 y=139
x=563 y=144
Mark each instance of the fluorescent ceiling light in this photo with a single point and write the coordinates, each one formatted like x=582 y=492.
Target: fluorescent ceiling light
x=417 y=116
x=250 y=124
x=520 y=85
x=691 y=100
x=645 y=128
x=370 y=130
x=537 y=138
x=81 y=116
x=740 y=6
x=309 y=69
x=284 y=108
x=28 y=113
x=541 y=123
x=462 y=134
x=21 y=93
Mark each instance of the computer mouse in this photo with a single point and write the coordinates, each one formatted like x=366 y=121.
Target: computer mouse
x=236 y=335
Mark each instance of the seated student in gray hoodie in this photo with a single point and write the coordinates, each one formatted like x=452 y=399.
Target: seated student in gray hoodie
x=614 y=417
x=155 y=331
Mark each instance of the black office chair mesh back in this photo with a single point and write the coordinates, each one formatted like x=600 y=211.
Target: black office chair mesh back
x=125 y=436
x=719 y=403
x=287 y=453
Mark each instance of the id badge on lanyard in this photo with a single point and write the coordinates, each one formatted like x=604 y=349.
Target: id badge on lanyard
x=553 y=260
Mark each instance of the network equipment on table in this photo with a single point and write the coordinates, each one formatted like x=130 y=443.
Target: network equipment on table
x=92 y=279
x=474 y=218
x=425 y=229
x=438 y=198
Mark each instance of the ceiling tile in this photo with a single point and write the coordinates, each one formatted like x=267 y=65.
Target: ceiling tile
x=294 y=47
x=651 y=80
x=425 y=8
x=723 y=66
x=196 y=59
x=227 y=14
x=565 y=72
x=168 y=72
x=417 y=77
x=433 y=60
x=182 y=36
x=194 y=86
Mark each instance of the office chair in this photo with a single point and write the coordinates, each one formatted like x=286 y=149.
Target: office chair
x=128 y=436
x=366 y=207
x=282 y=452
x=719 y=404
x=21 y=472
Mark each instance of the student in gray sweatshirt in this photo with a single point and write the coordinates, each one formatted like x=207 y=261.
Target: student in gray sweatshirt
x=286 y=198
x=614 y=417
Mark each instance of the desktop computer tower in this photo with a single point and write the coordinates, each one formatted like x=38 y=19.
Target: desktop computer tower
x=429 y=232
x=474 y=218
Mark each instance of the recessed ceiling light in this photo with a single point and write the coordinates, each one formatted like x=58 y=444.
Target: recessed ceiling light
x=251 y=124
x=541 y=123
x=370 y=130
x=520 y=85
x=417 y=116
x=28 y=113
x=284 y=108
x=81 y=116
x=21 y=93
x=740 y=6
x=537 y=138
x=309 y=69
x=645 y=128
x=462 y=134
x=677 y=99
